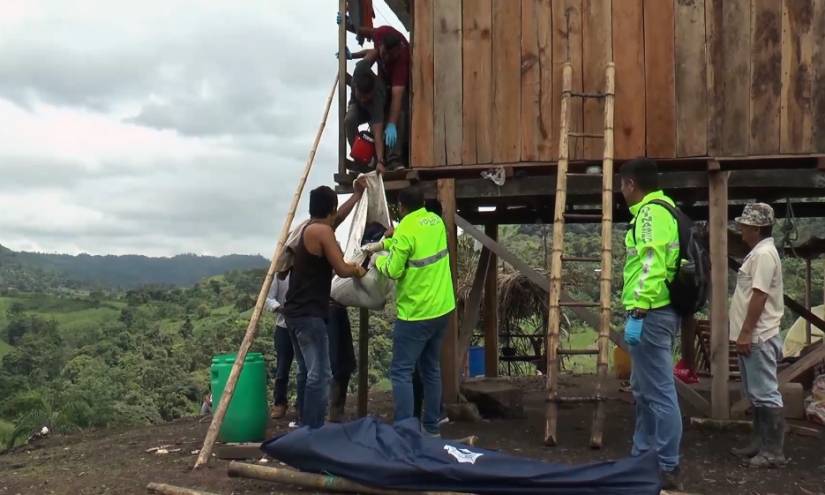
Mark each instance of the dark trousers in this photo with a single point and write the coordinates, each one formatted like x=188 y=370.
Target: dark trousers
x=284 y=354
x=341 y=353
x=309 y=339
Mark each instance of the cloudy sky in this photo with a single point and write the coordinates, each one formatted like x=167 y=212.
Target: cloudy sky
x=161 y=126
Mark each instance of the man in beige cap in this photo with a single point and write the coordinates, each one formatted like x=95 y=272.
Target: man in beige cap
x=755 y=314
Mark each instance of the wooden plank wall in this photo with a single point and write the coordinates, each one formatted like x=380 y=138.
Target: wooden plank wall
x=694 y=78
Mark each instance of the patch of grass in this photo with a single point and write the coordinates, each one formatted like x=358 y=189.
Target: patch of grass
x=5 y=348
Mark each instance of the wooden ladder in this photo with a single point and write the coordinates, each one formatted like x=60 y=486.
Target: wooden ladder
x=557 y=258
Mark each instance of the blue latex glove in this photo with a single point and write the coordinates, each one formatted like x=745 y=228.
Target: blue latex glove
x=633 y=330
x=347 y=54
x=338 y=17
x=390 y=135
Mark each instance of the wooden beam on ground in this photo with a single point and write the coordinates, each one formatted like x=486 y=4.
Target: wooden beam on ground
x=313 y=481
x=718 y=226
x=238 y=451
x=363 y=361
x=471 y=314
x=164 y=489
x=491 y=310
x=449 y=354
x=692 y=397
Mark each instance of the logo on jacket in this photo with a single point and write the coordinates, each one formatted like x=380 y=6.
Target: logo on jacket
x=462 y=455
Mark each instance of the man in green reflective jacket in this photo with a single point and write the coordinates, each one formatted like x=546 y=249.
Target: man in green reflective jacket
x=652 y=243
x=419 y=262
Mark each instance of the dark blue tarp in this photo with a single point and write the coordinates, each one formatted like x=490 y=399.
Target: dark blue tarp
x=399 y=457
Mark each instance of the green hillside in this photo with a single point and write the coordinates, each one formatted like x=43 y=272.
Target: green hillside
x=36 y=272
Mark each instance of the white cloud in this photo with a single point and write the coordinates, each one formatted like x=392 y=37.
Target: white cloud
x=161 y=126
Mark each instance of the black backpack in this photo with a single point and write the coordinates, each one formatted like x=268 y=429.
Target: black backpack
x=691 y=284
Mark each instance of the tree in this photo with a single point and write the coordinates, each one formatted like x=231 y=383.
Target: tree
x=187 y=329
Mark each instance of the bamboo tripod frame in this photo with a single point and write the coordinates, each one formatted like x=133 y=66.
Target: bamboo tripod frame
x=251 y=329
x=557 y=255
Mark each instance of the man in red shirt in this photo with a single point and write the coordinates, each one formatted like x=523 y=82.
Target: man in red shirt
x=392 y=52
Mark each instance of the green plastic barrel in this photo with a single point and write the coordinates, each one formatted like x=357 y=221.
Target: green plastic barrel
x=246 y=417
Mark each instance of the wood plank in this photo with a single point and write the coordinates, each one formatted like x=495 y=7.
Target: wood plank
x=530 y=80
x=506 y=81
x=421 y=132
x=818 y=65
x=597 y=52
x=691 y=79
x=547 y=142
x=342 y=90
x=715 y=68
x=567 y=45
x=491 y=310
x=660 y=88
x=766 y=81
x=718 y=226
x=796 y=118
x=449 y=353
x=478 y=85
x=736 y=40
x=629 y=56
x=447 y=133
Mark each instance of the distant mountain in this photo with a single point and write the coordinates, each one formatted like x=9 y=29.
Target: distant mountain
x=38 y=271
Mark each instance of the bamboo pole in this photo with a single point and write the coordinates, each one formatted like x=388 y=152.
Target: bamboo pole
x=312 y=481
x=554 y=309
x=342 y=85
x=249 y=336
x=164 y=489
x=606 y=274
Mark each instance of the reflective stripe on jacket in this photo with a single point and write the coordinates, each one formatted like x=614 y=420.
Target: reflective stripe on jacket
x=420 y=261
x=652 y=254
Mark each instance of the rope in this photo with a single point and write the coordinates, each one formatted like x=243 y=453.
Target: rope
x=790 y=232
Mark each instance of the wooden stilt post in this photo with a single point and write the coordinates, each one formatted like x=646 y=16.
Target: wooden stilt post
x=491 y=310
x=718 y=225
x=252 y=328
x=449 y=351
x=363 y=361
x=808 y=299
x=342 y=87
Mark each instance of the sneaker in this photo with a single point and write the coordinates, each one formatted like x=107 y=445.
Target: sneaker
x=671 y=480
x=279 y=411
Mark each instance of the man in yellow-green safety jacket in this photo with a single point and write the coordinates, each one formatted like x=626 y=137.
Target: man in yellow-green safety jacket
x=652 y=243
x=419 y=262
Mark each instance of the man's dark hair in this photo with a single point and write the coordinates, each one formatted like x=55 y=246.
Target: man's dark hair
x=322 y=202
x=433 y=206
x=364 y=81
x=390 y=41
x=766 y=231
x=644 y=172
x=411 y=198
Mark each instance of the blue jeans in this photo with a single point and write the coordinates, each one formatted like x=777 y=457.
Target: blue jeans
x=759 y=381
x=658 y=419
x=418 y=342
x=311 y=347
x=283 y=363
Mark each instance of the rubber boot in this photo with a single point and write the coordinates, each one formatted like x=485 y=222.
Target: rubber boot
x=338 y=399
x=773 y=441
x=756 y=437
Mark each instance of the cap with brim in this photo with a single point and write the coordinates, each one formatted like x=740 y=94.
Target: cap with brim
x=756 y=215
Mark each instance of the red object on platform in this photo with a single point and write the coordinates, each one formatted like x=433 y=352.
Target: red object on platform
x=685 y=373
x=363 y=148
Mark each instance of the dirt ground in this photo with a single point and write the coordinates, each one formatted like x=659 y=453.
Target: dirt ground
x=116 y=462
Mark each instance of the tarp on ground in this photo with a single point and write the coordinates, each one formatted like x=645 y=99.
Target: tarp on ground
x=399 y=457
